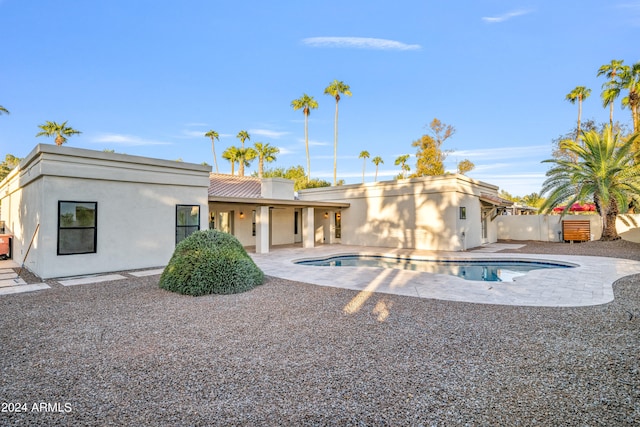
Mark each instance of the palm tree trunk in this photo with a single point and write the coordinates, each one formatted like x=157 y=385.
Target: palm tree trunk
x=579 y=117
x=260 y=167
x=241 y=168
x=611 y=115
x=609 y=231
x=335 y=146
x=306 y=143
x=213 y=149
x=376 y=178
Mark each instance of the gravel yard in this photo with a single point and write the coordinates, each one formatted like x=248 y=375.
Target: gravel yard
x=293 y=354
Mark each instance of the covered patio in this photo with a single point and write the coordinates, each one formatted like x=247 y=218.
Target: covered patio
x=265 y=213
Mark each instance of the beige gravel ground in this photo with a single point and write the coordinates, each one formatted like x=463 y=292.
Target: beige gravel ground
x=293 y=354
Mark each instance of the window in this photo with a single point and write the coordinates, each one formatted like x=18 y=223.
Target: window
x=187 y=220
x=77 y=227
x=338 y=219
x=463 y=212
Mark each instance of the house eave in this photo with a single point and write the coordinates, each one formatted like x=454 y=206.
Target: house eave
x=259 y=201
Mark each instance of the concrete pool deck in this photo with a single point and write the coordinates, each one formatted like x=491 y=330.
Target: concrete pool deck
x=590 y=283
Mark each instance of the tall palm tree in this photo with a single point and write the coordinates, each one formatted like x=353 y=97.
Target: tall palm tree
x=609 y=94
x=402 y=162
x=630 y=80
x=266 y=153
x=242 y=136
x=245 y=156
x=604 y=172
x=579 y=94
x=3 y=110
x=231 y=154
x=376 y=161
x=60 y=130
x=213 y=135
x=306 y=103
x=335 y=89
x=364 y=155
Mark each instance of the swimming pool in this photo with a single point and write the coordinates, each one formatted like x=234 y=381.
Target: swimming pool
x=502 y=270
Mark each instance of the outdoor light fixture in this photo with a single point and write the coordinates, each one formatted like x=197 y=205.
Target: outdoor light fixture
x=326 y=215
x=241 y=214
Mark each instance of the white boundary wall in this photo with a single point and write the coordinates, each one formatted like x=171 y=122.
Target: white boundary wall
x=546 y=228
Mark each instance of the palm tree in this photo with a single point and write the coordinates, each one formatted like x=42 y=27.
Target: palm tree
x=231 y=154
x=376 y=161
x=60 y=130
x=609 y=94
x=364 y=155
x=245 y=156
x=604 y=172
x=266 y=153
x=630 y=80
x=306 y=103
x=579 y=94
x=243 y=135
x=404 y=167
x=213 y=135
x=335 y=89
x=3 y=110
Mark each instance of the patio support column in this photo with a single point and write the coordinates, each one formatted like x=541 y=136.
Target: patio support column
x=308 y=228
x=262 y=229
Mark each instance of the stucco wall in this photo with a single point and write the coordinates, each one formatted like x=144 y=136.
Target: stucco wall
x=546 y=227
x=419 y=213
x=136 y=224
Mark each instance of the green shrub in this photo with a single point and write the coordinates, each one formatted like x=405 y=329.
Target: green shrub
x=210 y=262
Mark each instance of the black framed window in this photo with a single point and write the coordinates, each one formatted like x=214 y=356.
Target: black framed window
x=187 y=220
x=463 y=212
x=77 y=227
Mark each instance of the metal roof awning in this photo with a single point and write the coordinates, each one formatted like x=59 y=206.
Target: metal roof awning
x=259 y=201
x=495 y=200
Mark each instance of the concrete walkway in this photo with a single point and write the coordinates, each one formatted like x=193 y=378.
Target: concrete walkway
x=10 y=283
x=589 y=283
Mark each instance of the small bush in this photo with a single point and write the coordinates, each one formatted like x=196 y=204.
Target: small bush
x=210 y=262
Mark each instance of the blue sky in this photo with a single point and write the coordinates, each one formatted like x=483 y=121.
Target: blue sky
x=150 y=77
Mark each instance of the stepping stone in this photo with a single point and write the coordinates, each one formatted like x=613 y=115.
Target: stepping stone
x=23 y=288
x=11 y=275
x=11 y=282
x=147 y=272
x=92 y=279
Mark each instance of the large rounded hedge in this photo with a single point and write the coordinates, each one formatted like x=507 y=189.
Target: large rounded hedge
x=210 y=262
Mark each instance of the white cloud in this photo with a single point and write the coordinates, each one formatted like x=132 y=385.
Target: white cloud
x=529 y=151
x=506 y=16
x=266 y=133
x=193 y=133
x=317 y=143
x=359 y=43
x=632 y=9
x=284 y=151
x=128 y=140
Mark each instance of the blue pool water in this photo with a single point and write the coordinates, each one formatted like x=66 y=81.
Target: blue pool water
x=482 y=270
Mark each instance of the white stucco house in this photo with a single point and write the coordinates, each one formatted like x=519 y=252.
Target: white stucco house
x=99 y=212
